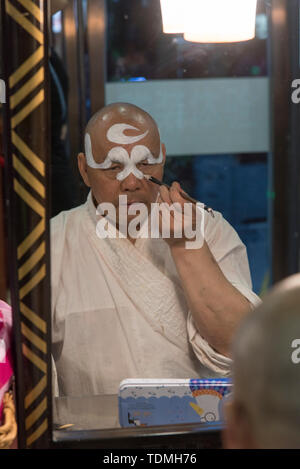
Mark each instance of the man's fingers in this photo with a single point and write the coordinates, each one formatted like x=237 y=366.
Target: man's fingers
x=180 y=220
x=176 y=195
x=165 y=194
x=174 y=192
x=172 y=195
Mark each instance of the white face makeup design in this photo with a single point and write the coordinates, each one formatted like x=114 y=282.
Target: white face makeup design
x=138 y=154
x=115 y=134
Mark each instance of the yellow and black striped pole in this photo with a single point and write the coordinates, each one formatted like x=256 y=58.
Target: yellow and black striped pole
x=25 y=57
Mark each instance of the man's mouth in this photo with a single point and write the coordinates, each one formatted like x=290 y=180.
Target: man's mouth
x=131 y=202
x=134 y=202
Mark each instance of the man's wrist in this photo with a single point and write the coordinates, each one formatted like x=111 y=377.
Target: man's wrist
x=180 y=245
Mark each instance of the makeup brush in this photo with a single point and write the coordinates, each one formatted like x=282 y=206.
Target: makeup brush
x=183 y=194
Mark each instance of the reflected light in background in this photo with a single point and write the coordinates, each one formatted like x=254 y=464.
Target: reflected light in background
x=210 y=21
x=57 y=22
x=172 y=12
x=261 y=26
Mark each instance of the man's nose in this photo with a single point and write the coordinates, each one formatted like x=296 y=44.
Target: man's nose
x=131 y=183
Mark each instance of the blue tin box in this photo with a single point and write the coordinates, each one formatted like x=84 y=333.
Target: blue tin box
x=146 y=402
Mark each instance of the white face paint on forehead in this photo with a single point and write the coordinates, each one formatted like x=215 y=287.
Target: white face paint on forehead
x=138 y=154
x=115 y=134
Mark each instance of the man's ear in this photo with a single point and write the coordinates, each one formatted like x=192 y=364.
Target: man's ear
x=82 y=166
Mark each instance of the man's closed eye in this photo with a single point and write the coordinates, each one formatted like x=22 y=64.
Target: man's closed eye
x=115 y=167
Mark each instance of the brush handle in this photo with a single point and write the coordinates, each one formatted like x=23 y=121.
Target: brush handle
x=187 y=197
x=183 y=195
x=194 y=201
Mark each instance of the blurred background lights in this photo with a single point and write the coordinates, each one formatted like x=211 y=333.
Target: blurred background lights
x=210 y=21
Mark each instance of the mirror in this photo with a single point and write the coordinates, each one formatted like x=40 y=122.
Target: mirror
x=211 y=104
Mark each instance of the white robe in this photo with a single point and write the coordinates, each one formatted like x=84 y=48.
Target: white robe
x=119 y=311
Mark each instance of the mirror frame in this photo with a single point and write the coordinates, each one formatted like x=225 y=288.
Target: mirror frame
x=27 y=166
x=27 y=176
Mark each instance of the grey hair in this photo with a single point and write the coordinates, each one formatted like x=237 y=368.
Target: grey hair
x=266 y=381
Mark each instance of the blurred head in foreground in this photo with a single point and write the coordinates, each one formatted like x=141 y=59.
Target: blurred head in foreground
x=265 y=408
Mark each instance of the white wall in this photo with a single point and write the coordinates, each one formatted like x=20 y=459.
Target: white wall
x=204 y=116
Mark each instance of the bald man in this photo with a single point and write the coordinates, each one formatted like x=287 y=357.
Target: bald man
x=265 y=409
x=139 y=307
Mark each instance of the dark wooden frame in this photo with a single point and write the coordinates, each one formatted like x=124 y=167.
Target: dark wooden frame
x=26 y=139
x=27 y=178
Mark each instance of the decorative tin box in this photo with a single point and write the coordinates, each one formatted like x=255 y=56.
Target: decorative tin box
x=145 y=402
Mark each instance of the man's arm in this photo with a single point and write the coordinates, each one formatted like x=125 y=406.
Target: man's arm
x=216 y=305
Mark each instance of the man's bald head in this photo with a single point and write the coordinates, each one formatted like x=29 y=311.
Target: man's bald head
x=122 y=149
x=267 y=382
x=122 y=133
x=120 y=112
